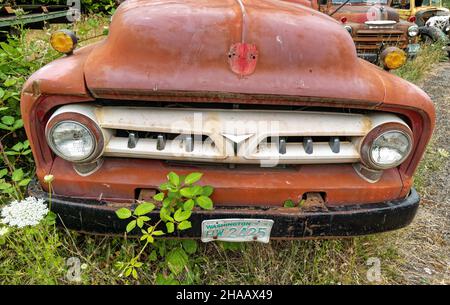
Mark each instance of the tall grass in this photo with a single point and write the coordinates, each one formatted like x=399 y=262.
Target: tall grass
x=429 y=55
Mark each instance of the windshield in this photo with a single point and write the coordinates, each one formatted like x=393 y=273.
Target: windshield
x=430 y=2
x=364 y=1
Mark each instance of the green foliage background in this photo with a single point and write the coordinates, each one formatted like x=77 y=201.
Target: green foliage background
x=91 y=6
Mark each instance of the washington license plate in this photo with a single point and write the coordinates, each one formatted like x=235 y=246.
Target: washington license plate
x=237 y=230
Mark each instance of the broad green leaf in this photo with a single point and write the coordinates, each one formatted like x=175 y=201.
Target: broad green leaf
x=17 y=175
x=5 y=127
x=164 y=186
x=4 y=186
x=3 y=172
x=134 y=274
x=162 y=280
x=181 y=215
x=8 y=120
x=138 y=264
x=166 y=202
x=174 y=179
x=18 y=124
x=158 y=233
x=205 y=202
x=150 y=239
x=131 y=226
x=289 y=204
x=189 y=245
x=140 y=222
x=153 y=256
x=189 y=205
x=184 y=225
x=196 y=190
x=123 y=213
x=207 y=191
x=186 y=192
x=144 y=208
x=10 y=82
x=25 y=182
x=164 y=214
x=192 y=178
x=145 y=218
x=2 y=94
x=170 y=227
x=159 y=197
x=177 y=260
x=17 y=147
x=128 y=271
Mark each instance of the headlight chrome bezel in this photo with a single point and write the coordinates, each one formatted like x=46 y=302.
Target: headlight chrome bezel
x=349 y=29
x=83 y=121
x=374 y=135
x=413 y=31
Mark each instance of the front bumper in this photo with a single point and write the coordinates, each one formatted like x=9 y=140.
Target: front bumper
x=98 y=217
x=370 y=57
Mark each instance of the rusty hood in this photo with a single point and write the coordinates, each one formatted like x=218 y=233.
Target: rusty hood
x=264 y=47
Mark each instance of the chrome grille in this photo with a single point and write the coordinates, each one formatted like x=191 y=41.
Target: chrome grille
x=263 y=137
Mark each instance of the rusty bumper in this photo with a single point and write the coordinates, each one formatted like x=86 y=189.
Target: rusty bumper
x=98 y=217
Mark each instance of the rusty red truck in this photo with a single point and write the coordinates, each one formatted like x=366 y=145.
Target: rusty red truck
x=374 y=27
x=268 y=99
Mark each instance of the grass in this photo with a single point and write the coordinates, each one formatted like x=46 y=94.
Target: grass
x=415 y=70
x=39 y=255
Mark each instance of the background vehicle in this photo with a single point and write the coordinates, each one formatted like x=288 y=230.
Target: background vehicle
x=431 y=16
x=31 y=14
x=373 y=25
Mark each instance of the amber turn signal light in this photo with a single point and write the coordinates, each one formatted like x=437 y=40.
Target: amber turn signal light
x=393 y=58
x=64 y=41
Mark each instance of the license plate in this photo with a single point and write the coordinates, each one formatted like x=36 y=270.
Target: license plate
x=237 y=230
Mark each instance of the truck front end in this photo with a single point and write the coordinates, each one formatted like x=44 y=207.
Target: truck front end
x=242 y=91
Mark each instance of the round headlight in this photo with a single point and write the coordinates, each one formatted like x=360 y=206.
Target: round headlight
x=71 y=141
x=64 y=41
x=349 y=29
x=387 y=146
x=413 y=31
x=390 y=149
x=393 y=58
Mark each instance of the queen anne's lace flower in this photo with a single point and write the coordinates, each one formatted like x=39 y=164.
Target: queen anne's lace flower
x=28 y=212
x=4 y=231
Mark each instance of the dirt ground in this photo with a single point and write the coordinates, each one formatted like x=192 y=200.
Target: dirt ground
x=425 y=245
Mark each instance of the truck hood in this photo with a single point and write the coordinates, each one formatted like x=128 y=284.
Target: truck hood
x=185 y=46
x=362 y=13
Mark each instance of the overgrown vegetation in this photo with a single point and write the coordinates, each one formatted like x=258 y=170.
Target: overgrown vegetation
x=44 y=254
x=429 y=55
x=89 y=6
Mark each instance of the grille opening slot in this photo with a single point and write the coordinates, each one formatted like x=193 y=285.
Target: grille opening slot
x=314 y=198
x=154 y=135
x=300 y=139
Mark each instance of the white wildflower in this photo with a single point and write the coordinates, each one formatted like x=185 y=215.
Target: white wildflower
x=49 y=178
x=4 y=231
x=28 y=212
